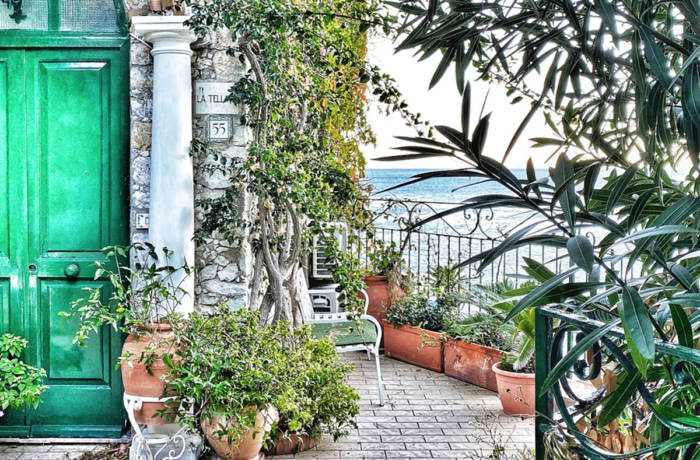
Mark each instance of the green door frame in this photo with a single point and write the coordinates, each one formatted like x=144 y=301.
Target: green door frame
x=16 y=46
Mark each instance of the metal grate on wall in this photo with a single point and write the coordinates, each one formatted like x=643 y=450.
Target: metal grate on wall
x=36 y=12
x=88 y=16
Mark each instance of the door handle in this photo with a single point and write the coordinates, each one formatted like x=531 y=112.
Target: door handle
x=71 y=270
x=32 y=267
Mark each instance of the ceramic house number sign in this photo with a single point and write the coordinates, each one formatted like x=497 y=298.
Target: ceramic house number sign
x=210 y=102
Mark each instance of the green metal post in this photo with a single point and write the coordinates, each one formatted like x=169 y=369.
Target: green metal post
x=543 y=406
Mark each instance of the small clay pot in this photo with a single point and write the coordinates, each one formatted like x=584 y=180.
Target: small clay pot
x=516 y=390
x=414 y=345
x=157 y=339
x=245 y=447
x=292 y=443
x=472 y=363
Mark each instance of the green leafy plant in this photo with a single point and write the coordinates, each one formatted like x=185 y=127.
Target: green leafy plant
x=385 y=259
x=483 y=329
x=418 y=310
x=20 y=384
x=305 y=99
x=618 y=88
x=232 y=366
x=146 y=292
x=444 y=279
x=318 y=377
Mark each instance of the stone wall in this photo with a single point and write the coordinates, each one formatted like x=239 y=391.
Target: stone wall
x=222 y=269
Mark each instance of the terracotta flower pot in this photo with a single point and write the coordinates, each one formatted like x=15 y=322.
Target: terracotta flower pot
x=293 y=443
x=154 y=341
x=516 y=390
x=414 y=345
x=380 y=296
x=247 y=446
x=472 y=363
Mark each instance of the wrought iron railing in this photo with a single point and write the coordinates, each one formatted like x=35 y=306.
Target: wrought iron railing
x=451 y=240
x=557 y=430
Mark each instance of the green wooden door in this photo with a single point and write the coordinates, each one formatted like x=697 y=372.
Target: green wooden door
x=63 y=196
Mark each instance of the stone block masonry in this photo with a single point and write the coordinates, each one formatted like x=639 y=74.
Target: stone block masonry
x=222 y=269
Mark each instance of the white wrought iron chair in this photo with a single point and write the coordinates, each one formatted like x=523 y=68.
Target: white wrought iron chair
x=361 y=334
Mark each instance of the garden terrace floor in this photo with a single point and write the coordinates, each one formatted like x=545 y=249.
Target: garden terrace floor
x=427 y=415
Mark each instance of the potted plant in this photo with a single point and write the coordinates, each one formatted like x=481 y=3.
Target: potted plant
x=20 y=383
x=329 y=405
x=143 y=304
x=386 y=278
x=515 y=374
x=413 y=329
x=474 y=345
x=239 y=381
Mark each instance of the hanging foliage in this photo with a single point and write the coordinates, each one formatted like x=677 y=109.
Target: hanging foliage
x=305 y=97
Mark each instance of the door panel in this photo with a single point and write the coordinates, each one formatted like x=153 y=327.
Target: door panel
x=13 y=218
x=74 y=176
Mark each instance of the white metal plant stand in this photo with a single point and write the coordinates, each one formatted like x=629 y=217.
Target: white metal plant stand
x=154 y=446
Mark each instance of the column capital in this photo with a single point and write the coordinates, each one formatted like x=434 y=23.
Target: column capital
x=168 y=34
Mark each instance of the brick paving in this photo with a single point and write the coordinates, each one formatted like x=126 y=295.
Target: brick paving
x=427 y=415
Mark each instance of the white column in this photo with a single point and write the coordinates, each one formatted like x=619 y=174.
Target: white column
x=171 y=210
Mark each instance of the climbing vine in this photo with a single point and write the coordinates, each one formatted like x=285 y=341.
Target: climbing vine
x=306 y=104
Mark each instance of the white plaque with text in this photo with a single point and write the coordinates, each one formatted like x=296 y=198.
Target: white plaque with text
x=210 y=98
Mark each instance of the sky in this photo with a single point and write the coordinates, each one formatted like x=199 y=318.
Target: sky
x=442 y=105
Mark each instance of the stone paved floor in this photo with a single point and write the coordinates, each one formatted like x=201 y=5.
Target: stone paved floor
x=427 y=415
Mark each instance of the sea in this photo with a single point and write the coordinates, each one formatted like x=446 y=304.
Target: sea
x=423 y=199
x=457 y=237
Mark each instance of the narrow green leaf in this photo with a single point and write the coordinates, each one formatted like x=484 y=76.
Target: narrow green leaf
x=532 y=178
x=443 y=66
x=619 y=189
x=679 y=440
x=616 y=401
x=657 y=231
x=479 y=136
x=684 y=330
x=540 y=292
x=466 y=111
x=656 y=58
x=581 y=252
x=563 y=171
x=639 y=331
x=590 y=182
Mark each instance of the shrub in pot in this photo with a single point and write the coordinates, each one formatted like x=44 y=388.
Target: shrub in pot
x=318 y=377
x=239 y=380
x=414 y=326
x=143 y=304
x=515 y=374
x=20 y=383
x=386 y=278
x=475 y=344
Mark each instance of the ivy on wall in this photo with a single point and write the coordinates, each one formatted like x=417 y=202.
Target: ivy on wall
x=306 y=104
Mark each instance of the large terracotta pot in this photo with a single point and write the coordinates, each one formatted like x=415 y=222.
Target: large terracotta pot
x=516 y=390
x=414 y=345
x=155 y=340
x=472 y=363
x=293 y=443
x=380 y=296
x=247 y=446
